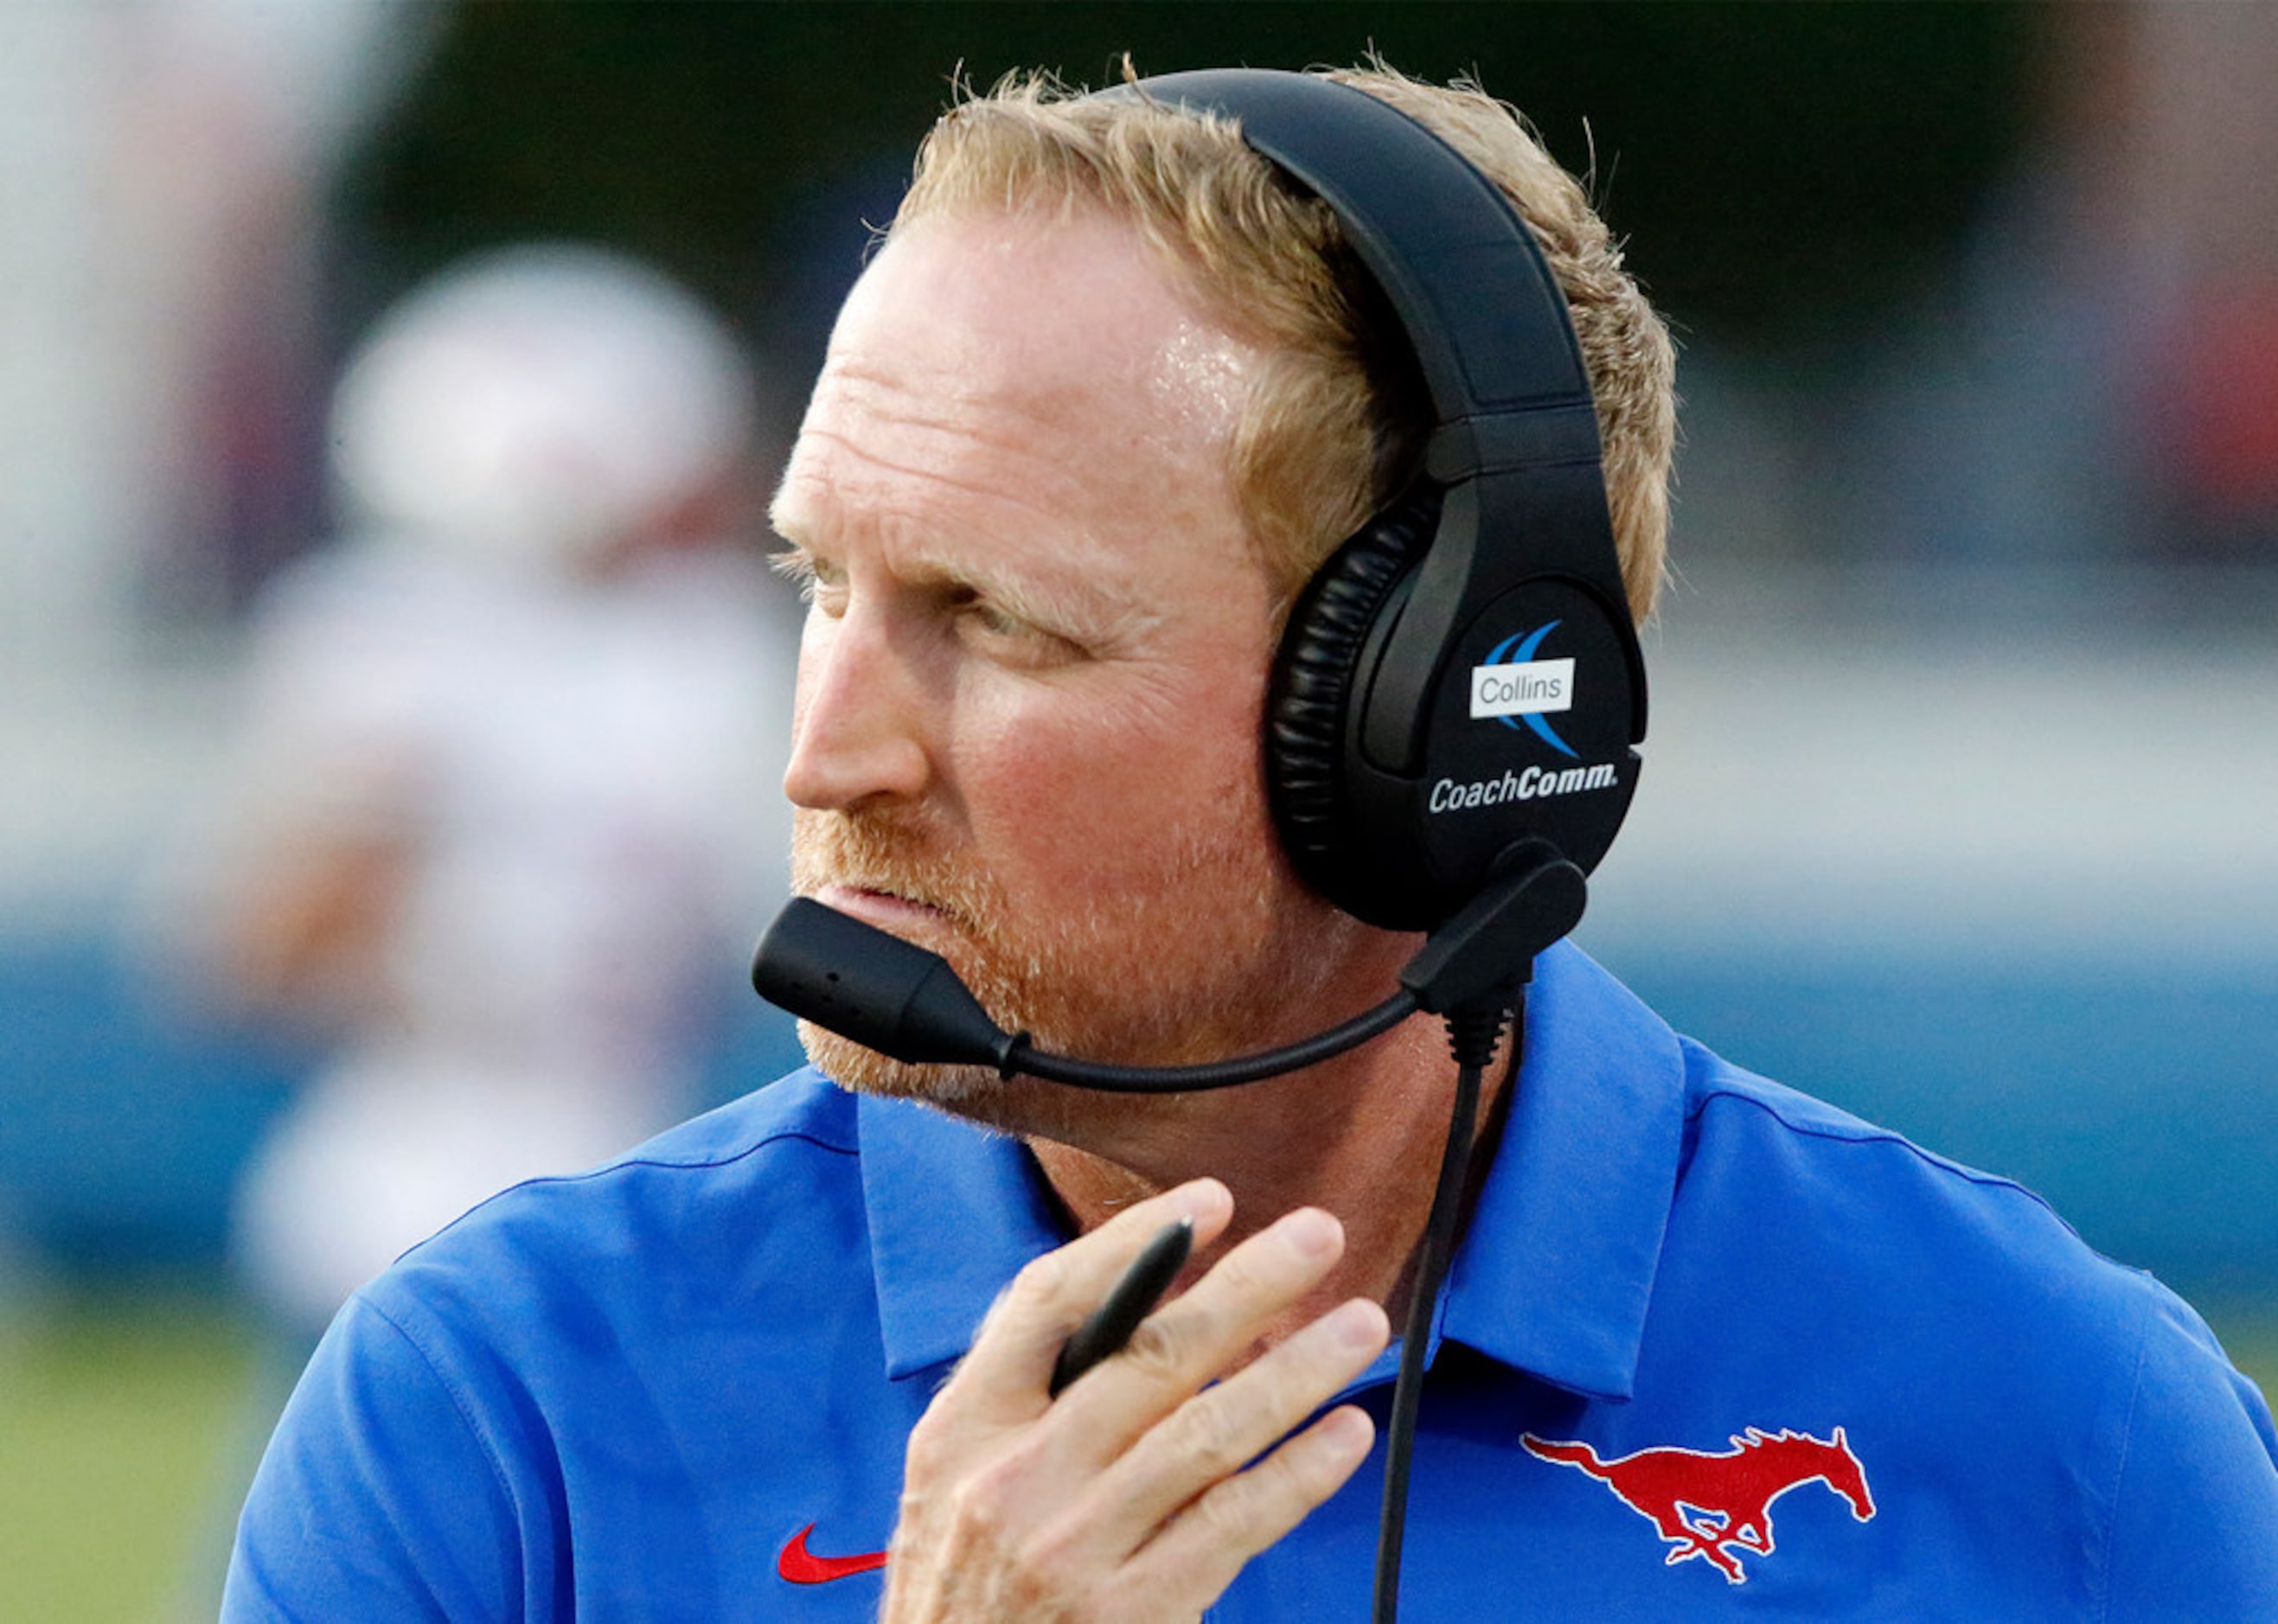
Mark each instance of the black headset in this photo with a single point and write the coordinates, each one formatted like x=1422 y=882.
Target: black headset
x=1462 y=677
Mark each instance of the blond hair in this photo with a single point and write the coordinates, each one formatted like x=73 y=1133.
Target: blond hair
x=1334 y=423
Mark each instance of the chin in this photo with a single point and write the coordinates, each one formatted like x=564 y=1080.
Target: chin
x=864 y=1071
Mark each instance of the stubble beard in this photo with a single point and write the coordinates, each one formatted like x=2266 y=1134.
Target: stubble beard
x=1210 y=950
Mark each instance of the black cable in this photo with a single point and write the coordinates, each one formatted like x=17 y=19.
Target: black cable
x=1021 y=1058
x=1471 y=1033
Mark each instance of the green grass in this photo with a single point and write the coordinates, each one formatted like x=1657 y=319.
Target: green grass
x=2249 y=1336
x=121 y=1427
x=123 y=1441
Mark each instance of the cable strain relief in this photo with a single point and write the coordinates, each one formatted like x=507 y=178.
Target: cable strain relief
x=1474 y=1030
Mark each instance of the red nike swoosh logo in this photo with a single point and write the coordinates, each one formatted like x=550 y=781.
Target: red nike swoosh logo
x=802 y=1566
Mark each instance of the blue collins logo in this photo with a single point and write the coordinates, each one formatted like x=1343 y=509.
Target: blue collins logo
x=1513 y=687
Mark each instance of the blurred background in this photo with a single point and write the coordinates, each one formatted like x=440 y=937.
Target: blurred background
x=1961 y=808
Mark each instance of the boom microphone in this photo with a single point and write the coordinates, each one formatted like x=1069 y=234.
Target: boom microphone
x=895 y=998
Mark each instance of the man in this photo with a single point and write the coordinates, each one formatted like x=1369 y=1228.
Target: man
x=1105 y=397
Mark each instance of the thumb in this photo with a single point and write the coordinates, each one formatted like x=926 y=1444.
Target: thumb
x=1003 y=1380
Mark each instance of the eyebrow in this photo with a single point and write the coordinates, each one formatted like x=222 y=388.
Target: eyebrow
x=1076 y=610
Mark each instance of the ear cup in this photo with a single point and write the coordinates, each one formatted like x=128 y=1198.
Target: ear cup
x=1315 y=676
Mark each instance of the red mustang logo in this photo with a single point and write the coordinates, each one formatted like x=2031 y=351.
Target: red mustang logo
x=1703 y=1503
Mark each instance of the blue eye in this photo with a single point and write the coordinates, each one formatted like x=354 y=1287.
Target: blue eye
x=997 y=622
x=1008 y=638
x=814 y=578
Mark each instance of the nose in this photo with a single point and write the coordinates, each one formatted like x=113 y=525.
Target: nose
x=857 y=718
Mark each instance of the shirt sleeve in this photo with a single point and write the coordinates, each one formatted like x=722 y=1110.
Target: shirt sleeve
x=379 y=1496
x=2195 y=1509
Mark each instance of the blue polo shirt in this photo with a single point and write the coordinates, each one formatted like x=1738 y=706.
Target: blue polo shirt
x=1708 y=1348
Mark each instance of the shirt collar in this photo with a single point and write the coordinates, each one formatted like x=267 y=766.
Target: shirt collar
x=1553 y=1276
x=955 y=1211
x=1556 y=1268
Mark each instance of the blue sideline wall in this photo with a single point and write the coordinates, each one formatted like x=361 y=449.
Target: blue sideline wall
x=2131 y=1096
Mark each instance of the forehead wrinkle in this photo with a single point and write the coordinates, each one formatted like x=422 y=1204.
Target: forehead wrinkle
x=941 y=418
x=993 y=491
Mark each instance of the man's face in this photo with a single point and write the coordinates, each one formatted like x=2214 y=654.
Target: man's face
x=1030 y=683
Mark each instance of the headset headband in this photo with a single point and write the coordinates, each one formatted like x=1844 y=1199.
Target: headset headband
x=1505 y=375
x=1461 y=679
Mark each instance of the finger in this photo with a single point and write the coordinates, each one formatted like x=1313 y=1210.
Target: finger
x=1195 y=1337
x=1003 y=1379
x=1194 y=1558
x=1210 y=1439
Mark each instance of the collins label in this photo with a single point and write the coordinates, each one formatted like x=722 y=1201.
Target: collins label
x=1531 y=687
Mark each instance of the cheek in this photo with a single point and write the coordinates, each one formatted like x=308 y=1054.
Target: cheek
x=1118 y=785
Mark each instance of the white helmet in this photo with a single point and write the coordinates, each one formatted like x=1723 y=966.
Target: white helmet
x=539 y=403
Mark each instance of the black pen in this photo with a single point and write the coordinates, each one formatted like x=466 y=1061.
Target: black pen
x=1110 y=1325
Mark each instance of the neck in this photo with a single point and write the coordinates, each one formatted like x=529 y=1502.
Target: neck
x=1360 y=1136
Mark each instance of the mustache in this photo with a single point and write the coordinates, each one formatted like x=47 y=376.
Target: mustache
x=886 y=852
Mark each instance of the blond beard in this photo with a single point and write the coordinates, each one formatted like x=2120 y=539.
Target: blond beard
x=1213 y=952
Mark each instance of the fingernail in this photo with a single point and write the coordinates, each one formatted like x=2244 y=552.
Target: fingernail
x=1312 y=1232
x=1203 y=1197
x=1349 y=1433
x=1356 y=1324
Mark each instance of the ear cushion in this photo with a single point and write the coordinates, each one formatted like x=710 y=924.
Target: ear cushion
x=1314 y=677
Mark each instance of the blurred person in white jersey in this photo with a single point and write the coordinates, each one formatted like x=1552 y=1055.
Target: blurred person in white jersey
x=492 y=831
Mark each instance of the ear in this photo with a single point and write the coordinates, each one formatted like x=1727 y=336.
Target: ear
x=1839 y=1444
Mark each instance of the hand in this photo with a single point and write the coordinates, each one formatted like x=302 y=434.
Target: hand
x=1127 y=1498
